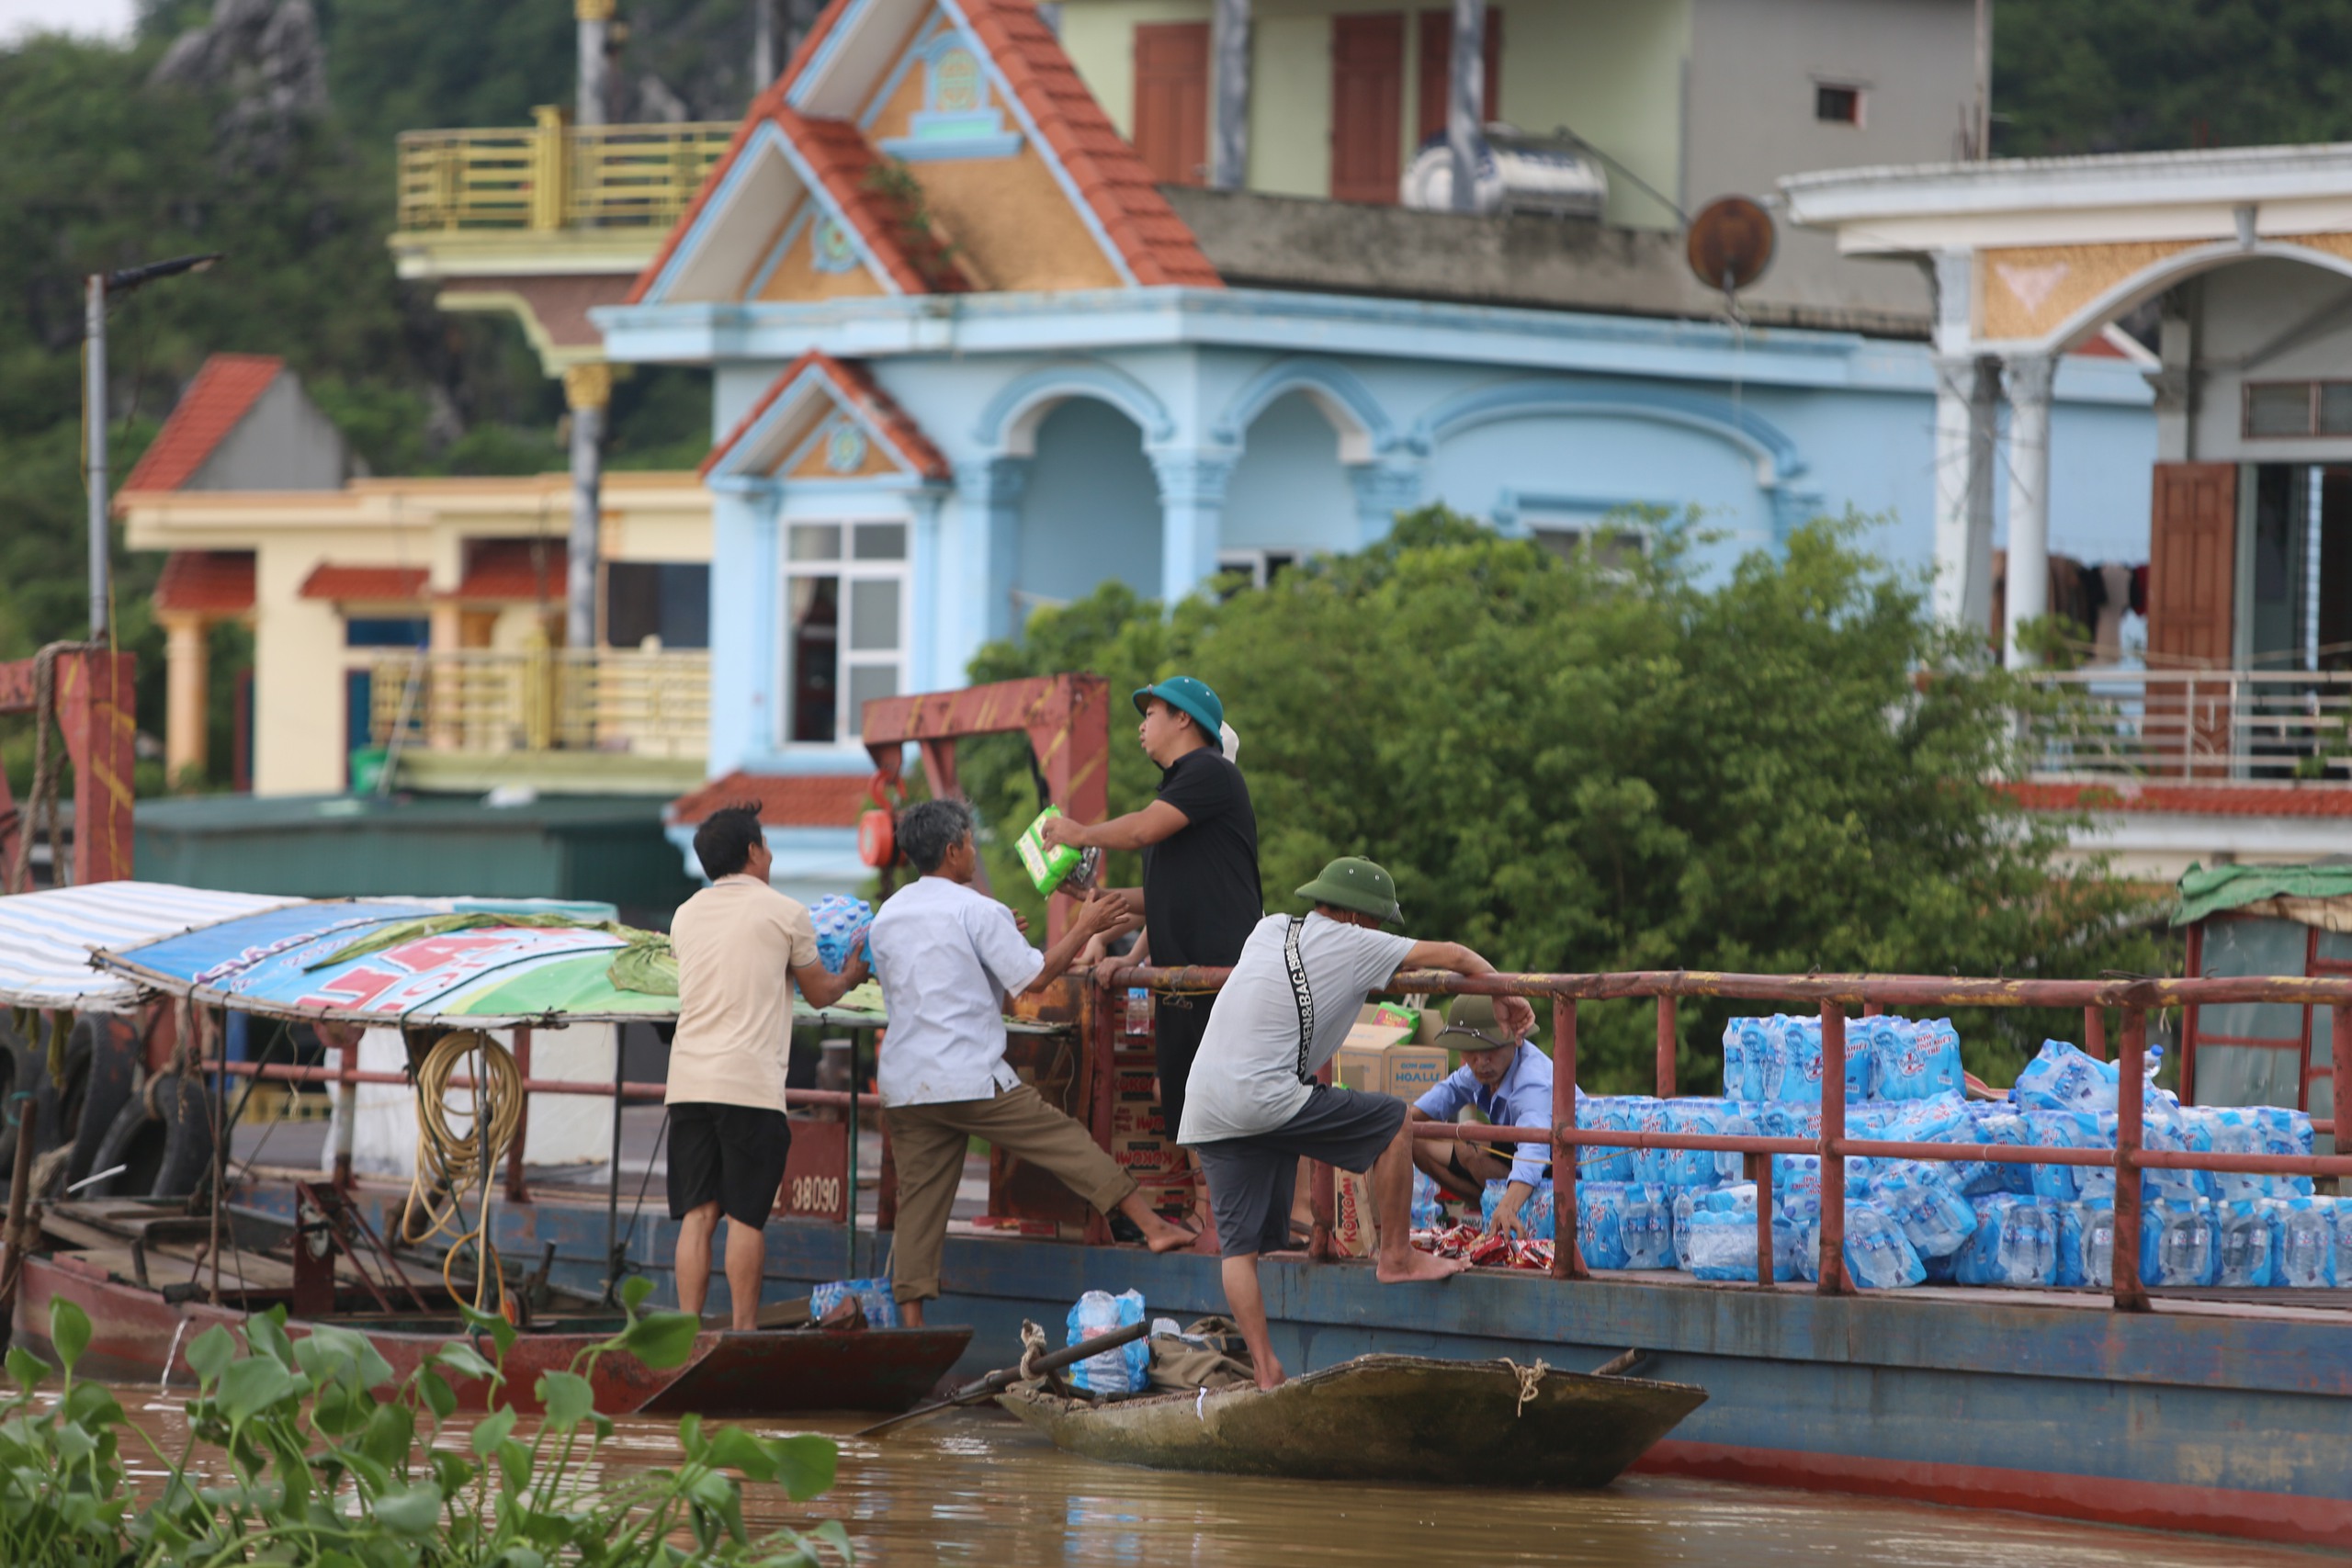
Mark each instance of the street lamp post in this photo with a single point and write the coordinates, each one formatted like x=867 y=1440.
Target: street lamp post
x=101 y=286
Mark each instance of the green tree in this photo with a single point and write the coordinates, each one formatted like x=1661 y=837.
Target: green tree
x=1597 y=765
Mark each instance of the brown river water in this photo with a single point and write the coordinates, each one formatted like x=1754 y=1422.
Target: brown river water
x=979 y=1488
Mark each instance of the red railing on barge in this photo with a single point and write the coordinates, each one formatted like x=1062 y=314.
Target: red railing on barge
x=1833 y=994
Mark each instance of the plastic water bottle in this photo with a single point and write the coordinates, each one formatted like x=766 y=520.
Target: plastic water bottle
x=1123 y=1371
x=1646 y=1228
x=2306 y=1256
x=1934 y=1219
x=2246 y=1243
x=2187 y=1243
x=2026 y=1249
x=1138 y=1009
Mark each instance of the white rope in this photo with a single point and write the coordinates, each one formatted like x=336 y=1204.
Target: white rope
x=1529 y=1377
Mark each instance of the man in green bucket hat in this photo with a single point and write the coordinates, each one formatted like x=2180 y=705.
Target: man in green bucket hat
x=1254 y=1109
x=1200 y=896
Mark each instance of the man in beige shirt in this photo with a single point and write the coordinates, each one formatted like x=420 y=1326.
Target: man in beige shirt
x=742 y=945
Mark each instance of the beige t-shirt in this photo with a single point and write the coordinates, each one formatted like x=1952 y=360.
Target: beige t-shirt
x=737 y=943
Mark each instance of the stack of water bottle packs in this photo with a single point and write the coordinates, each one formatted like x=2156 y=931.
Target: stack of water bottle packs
x=1973 y=1222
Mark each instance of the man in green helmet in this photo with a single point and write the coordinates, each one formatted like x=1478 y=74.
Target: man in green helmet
x=1253 y=1108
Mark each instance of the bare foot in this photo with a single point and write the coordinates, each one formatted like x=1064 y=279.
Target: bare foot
x=1418 y=1265
x=1162 y=1237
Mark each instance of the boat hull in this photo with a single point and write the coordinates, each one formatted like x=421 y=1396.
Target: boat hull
x=137 y=1336
x=1406 y=1418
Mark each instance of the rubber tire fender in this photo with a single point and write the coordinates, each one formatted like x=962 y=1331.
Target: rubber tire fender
x=164 y=1136
x=21 y=1068
x=61 y=1096
x=114 y=1058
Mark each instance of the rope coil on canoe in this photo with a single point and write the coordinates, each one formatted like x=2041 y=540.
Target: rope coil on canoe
x=1529 y=1378
x=1033 y=1344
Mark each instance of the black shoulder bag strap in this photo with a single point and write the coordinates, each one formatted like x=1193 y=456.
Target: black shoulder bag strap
x=1301 y=995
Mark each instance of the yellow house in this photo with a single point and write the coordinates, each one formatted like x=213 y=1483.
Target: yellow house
x=424 y=616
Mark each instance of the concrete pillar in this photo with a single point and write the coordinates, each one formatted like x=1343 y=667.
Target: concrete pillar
x=1192 y=517
x=1383 y=490
x=594 y=20
x=763 y=44
x=1466 y=101
x=1983 y=443
x=587 y=390
x=2174 y=381
x=188 y=673
x=2029 y=376
x=988 y=494
x=1955 y=382
x=1230 y=94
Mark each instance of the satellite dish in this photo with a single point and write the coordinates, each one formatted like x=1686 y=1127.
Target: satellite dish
x=1730 y=243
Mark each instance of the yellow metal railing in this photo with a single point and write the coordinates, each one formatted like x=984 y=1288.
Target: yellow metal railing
x=553 y=176
x=643 y=703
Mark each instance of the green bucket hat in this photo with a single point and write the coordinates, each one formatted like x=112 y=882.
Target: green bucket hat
x=1471 y=1019
x=1354 y=882
x=1191 y=696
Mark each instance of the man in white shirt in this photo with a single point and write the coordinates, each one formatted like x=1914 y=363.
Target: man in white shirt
x=949 y=958
x=742 y=945
x=1254 y=1110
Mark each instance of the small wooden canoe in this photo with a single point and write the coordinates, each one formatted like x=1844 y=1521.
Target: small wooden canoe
x=1383 y=1418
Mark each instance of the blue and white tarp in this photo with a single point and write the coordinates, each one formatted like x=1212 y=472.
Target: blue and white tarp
x=47 y=938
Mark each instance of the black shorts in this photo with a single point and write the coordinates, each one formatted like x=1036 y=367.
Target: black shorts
x=1253 y=1179
x=1178 y=1025
x=729 y=1155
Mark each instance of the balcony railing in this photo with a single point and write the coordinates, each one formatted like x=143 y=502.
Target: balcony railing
x=612 y=700
x=2195 y=725
x=553 y=176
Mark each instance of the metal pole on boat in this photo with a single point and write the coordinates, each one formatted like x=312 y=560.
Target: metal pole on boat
x=613 y=1187
x=1832 y=1271
x=1567 y=1262
x=2130 y=1071
x=346 y=1099
x=28 y=1113
x=851 y=1175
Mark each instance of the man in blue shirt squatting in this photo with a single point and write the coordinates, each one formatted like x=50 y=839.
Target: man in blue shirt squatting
x=1511 y=1083
x=1253 y=1109
x=950 y=959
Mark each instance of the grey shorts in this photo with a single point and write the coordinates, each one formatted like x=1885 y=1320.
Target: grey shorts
x=1253 y=1179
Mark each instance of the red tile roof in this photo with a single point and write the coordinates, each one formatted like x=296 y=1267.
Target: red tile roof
x=1111 y=177
x=377 y=584
x=856 y=388
x=218 y=582
x=222 y=393
x=2189 y=800
x=786 y=800
x=528 y=569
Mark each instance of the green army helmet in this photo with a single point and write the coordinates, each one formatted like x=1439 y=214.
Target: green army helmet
x=1354 y=882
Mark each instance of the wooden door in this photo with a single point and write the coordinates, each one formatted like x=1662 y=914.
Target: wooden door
x=2192 y=583
x=1367 y=106
x=1437 y=65
x=1172 y=117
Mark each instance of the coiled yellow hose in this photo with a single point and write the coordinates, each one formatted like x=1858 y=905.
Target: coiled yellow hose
x=450 y=1162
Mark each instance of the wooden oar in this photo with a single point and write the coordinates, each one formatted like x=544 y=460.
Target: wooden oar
x=996 y=1383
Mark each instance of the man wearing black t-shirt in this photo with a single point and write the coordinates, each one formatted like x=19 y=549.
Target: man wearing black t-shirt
x=1201 y=898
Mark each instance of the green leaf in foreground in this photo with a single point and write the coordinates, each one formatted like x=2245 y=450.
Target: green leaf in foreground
x=661 y=1339
x=411 y=1510
x=209 y=1353
x=69 y=1330
x=568 y=1398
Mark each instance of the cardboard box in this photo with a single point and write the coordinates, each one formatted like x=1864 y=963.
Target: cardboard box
x=1354 y=1228
x=1152 y=1161
x=1140 y=1118
x=1404 y=1070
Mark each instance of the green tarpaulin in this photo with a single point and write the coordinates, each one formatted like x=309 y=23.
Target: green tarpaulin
x=2207 y=890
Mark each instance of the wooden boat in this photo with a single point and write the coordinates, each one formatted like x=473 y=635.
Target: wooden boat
x=1383 y=1418
x=118 y=1264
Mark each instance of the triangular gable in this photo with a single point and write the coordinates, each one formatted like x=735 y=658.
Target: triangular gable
x=214 y=404
x=1008 y=151
x=822 y=419
x=785 y=181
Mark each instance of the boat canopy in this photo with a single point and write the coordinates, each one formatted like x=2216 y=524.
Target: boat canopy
x=47 y=938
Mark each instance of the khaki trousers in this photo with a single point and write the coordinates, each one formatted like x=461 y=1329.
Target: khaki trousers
x=927 y=1143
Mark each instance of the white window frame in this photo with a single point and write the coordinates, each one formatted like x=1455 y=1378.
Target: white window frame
x=848 y=570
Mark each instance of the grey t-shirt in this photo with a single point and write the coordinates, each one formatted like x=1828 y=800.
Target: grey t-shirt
x=1247 y=1078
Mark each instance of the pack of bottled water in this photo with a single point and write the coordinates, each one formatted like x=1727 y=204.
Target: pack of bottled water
x=1612 y=1113
x=1910 y=1059
x=1721 y=1245
x=2086 y=1244
x=2062 y=1078
x=1427 y=1215
x=2252 y=1130
x=1689 y=1116
x=2180 y=1243
x=1879 y=1257
x=2015 y=1243
x=1535 y=1209
x=1624 y=1224
x=2249 y=1242
x=841 y=923
x=1994 y=1121
x=1920 y=1199
x=2303 y=1254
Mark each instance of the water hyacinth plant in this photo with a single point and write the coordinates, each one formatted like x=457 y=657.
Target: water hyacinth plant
x=304 y=1450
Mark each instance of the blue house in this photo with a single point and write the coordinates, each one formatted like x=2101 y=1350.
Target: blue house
x=969 y=361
